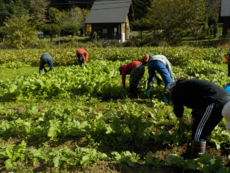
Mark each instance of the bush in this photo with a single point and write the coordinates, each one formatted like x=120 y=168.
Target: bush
x=19 y=33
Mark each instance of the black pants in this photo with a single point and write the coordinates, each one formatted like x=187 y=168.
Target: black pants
x=81 y=59
x=206 y=121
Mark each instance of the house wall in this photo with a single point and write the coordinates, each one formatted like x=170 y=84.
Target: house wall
x=125 y=28
x=107 y=31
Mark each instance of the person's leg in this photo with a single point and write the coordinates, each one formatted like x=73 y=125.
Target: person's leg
x=135 y=77
x=50 y=62
x=202 y=127
x=81 y=59
x=162 y=70
x=42 y=64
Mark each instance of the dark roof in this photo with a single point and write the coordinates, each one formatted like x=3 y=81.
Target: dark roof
x=113 y=11
x=225 y=8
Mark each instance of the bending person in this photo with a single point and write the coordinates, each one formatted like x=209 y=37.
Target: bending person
x=136 y=70
x=209 y=104
x=46 y=59
x=82 y=56
x=160 y=64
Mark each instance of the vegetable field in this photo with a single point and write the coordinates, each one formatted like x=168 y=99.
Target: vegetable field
x=75 y=119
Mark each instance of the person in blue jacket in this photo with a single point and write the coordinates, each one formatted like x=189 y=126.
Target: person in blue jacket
x=160 y=64
x=46 y=59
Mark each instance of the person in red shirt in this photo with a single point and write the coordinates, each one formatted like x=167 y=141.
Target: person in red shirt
x=82 y=56
x=136 y=70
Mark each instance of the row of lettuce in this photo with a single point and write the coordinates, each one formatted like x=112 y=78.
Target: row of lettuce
x=63 y=57
x=100 y=79
x=114 y=129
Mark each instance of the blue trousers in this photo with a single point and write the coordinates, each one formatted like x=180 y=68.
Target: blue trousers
x=154 y=66
x=43 y=62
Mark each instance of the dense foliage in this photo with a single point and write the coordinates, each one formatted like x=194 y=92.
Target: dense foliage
x=105 y=125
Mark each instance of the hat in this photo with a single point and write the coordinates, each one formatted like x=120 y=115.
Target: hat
x=146 y=58
x=226 y=114
x=226 y=57
x=120 y=69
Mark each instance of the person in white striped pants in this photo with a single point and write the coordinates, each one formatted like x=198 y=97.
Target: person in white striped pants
x=209 y=104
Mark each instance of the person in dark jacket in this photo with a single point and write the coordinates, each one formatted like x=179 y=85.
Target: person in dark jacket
x=45 y=59
x=82 y=56
x=209 y=104
x=136 y=70
x=160 y=64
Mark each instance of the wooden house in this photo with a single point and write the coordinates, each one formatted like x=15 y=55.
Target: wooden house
x=111 y=19
x=225 y=16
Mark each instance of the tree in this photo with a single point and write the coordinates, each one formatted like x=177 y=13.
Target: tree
x=73 y=20
x=141 y=8
x=16 y=8
x=51 y=29
x=141 y=25
x=19 y=32
x=174 y=17
x=38 y=9
x=54 y=15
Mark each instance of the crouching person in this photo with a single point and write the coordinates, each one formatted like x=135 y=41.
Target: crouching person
x=82 y=56
x=209 y=104
x=136 y=70
x=46 y=59
x=160 y=64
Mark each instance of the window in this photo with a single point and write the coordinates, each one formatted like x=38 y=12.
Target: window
x=104 y=31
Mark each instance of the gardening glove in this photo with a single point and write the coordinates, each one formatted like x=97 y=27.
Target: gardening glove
x=159 y=81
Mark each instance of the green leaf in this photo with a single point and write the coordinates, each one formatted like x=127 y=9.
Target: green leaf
x=56 y=161
x=84 y=160
x=130 y=163
x=12 y=88
x=8 y=164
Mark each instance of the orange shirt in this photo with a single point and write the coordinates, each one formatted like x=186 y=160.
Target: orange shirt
x=82 y=51
x=127 y=68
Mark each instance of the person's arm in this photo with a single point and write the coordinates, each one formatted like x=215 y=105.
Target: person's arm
x=86 y=56
x=192 y=121
x=41 y=66
x=178 y=111
x=123 y=76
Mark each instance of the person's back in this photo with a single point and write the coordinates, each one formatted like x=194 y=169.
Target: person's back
x=46 y=56
x=196 y=94
x=45 y=59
